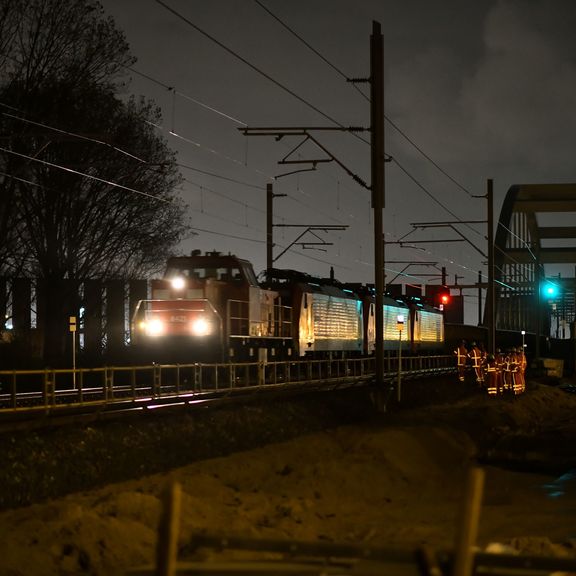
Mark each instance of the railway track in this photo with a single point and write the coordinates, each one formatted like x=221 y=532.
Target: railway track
x=30 y=395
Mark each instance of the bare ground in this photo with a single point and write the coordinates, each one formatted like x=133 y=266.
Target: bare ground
x=391 y=480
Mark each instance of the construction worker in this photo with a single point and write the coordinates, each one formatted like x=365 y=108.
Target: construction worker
x=491 y=375
x=518 y=371
x=515 y=370
x=507 y=371
x=461 y=353
x=500 y=360
x=475 y=356
x=523 y=365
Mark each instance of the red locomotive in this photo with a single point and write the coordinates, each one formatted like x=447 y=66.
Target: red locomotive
x=211 y=308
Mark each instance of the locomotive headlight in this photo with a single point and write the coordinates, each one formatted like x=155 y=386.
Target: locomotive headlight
x=178 y=283
x=155 y=327
x=201 y=327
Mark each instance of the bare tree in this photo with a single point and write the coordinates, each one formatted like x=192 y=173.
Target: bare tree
x=87 y=187
x=94 y=207
x=43 y=41
x=72 y=40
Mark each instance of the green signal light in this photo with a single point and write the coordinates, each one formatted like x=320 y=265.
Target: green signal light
x=550 y=290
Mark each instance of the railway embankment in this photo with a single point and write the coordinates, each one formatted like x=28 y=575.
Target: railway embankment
x=54 y=461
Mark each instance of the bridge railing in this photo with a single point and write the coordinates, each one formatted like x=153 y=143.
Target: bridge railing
x=56 y=388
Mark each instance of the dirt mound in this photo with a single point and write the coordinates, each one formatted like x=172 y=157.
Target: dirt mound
x=397 y=481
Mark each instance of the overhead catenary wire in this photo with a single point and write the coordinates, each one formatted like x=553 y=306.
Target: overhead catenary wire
x=310 y=47
x=75 y=135
x=211 y=150
x=238 y=162
x=172 y=133
x=36 y=184
x=220 y=177
x=186 y=96
x=196 y=102
x=197 y=144
x=405 y=136
x=118 y=149
x=94 y=140
x=393 y=124
x=252 y=66
x=343 y=75
x=431 y=196
x=132 y=156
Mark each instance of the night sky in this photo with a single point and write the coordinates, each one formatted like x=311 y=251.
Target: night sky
x=473 y=90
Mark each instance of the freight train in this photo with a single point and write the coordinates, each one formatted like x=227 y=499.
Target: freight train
x=211 y=308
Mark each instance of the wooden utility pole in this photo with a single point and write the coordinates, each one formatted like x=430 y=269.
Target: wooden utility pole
x=377 y=175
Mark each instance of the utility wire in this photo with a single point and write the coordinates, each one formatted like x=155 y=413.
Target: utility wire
x=82 y=137
x=222 y=195
x=310 y=47
x=252 y=66
x=192 y=227
x=120 y=150
x=83 y=175
x=235 y=181
x=453 y=180
x=172 y=133
x=79 y=136
x=186 y=96
x=75 y=135
x=518 y=238
x=428 y=193
x=205 y=230
x=211 y=150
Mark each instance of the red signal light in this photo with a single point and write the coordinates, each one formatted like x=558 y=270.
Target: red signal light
x=443 y=297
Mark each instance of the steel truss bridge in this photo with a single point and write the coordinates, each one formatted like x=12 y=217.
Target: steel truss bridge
x=535 y=230
x=30 y=394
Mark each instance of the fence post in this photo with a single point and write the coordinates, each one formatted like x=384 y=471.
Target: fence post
x=261 y=373
x=49 y=387
x=108 y=383
x=157 y=384
x=13 y=389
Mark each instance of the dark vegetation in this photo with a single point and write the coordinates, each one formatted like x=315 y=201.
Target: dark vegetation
x=87 y=186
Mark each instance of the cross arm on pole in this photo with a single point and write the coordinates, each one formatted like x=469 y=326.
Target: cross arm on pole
x=450 y=225
x=307 y=229
x=281 y=131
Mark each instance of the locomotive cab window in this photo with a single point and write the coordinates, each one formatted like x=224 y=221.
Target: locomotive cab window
x=249 y=275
